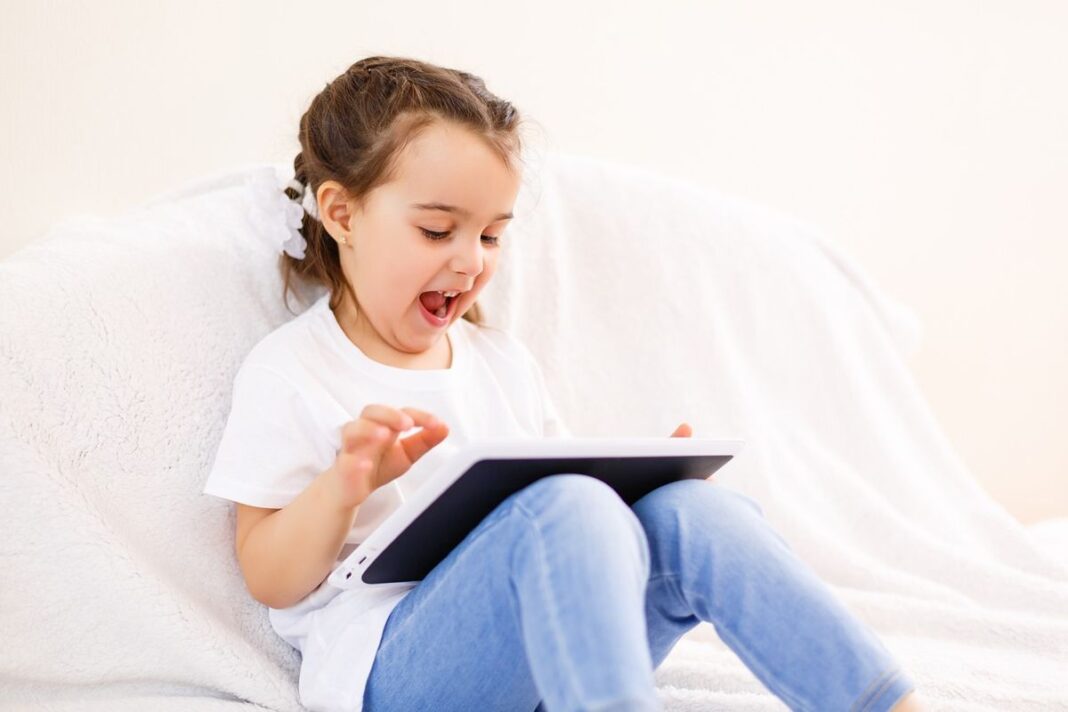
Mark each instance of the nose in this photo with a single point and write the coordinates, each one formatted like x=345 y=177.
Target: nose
x=468 y=256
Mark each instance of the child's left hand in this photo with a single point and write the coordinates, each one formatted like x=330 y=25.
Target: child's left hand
x=683 y=431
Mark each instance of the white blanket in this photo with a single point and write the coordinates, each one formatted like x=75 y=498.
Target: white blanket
x=649 y=301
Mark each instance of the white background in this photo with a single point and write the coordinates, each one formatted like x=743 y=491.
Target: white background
x=930 y=140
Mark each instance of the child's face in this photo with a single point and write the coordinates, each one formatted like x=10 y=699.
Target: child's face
x=389 y=261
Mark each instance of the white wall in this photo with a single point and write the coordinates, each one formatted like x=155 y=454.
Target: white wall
x=927 y=138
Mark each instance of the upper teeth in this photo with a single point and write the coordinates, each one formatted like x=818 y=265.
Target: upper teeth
x=449 y=294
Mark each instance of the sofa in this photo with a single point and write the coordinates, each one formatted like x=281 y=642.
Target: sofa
x=648 y=300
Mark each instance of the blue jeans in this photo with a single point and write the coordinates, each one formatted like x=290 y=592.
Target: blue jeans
x=564 y=598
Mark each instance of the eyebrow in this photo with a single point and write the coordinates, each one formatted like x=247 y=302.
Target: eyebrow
x=455 y=209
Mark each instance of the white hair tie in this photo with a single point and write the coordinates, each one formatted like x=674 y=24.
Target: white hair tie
x=277 y=216
x=305 y=197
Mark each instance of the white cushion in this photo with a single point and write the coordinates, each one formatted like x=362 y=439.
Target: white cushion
x=649 y=301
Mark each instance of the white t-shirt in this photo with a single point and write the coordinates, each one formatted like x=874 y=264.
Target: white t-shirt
x=303 y=381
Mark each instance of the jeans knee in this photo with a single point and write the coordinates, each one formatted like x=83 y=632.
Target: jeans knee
x=585 y=503
x=575 y=491
x=712 y=503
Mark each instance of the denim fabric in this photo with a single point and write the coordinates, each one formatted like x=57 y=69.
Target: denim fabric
x=564 y=598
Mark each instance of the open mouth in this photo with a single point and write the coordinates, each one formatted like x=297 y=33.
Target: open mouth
x=437 y=305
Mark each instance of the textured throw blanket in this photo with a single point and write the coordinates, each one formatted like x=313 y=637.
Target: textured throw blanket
x=648 y=301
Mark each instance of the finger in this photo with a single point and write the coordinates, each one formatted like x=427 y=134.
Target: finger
x=683 y=431
x=365 y=433
x=391 y=417
x=419 y=417
x=377 y=422
x=417 y=445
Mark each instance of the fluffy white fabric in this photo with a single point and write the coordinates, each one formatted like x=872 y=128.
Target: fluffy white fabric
x=648 y=300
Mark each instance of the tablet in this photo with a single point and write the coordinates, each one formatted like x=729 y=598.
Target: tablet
x=481 y=474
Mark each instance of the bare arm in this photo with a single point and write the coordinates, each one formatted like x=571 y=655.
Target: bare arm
x=286 y=553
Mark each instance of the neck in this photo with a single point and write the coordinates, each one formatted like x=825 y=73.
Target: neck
x=363 y=334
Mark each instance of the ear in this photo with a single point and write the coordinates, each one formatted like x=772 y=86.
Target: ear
x=336 y=209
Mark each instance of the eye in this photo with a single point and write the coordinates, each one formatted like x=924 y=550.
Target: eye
x=442 y=235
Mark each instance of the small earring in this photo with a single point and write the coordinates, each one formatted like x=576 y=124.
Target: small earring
x=343 y=240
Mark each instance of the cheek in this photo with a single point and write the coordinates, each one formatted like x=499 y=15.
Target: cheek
x=389 y=284
x=489 y=268
x=489 y=265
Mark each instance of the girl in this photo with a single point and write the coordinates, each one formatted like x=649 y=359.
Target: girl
x=563 y=598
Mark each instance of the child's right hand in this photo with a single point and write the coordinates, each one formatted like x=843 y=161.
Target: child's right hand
x=370 y=455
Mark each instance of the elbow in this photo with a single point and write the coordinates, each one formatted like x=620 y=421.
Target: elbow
x=257 y=592
x=253 y=584
x=269 y=596
x=262 y=597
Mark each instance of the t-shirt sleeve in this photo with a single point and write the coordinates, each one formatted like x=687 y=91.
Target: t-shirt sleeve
x=272 y=447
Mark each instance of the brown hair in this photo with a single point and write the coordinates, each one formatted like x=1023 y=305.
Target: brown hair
x=355 y=129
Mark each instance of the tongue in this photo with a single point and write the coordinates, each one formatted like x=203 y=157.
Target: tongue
x=432 y=301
